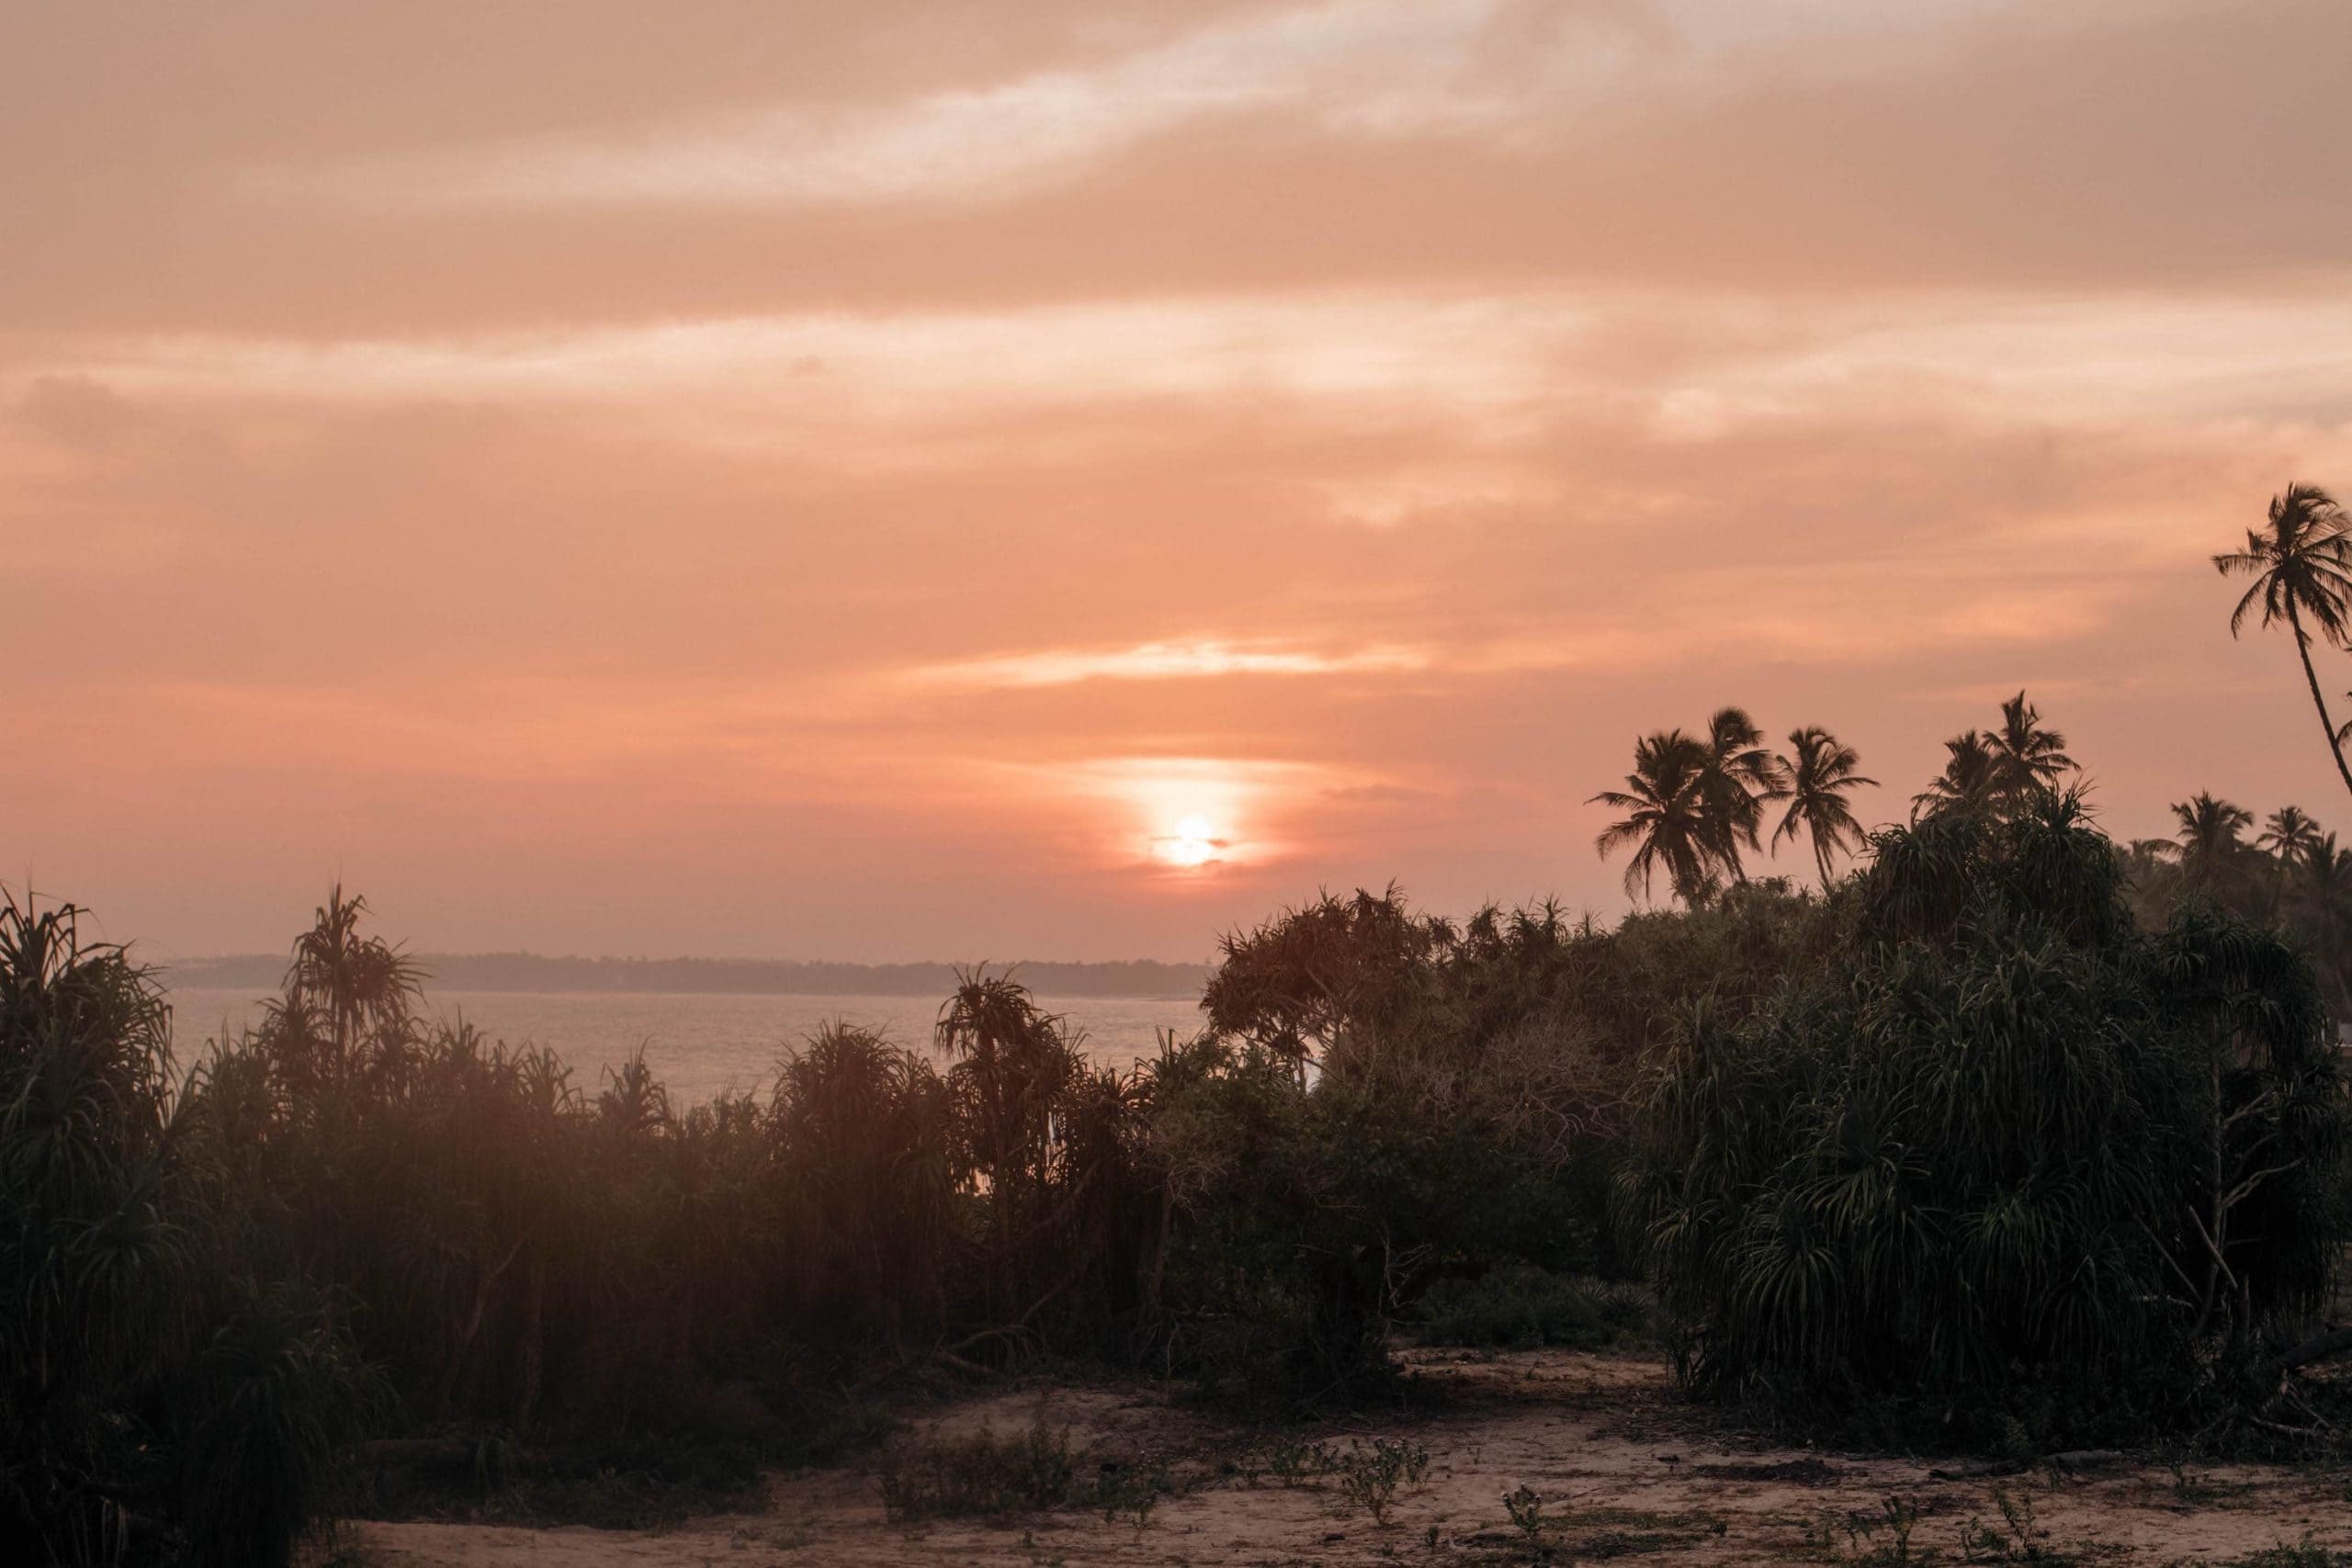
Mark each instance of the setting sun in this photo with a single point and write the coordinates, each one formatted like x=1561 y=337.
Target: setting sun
x=1194 y=842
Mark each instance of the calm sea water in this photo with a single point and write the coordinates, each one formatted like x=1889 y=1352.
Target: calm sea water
x=700 y=1043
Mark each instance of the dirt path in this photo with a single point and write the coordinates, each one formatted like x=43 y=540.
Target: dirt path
x=1615 y=1470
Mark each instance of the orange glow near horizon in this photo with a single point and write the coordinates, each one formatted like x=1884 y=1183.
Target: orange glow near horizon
x=1193 y=842
x=867 y=482
x=1196 y=814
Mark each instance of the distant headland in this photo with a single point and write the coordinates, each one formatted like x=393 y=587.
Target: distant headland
x=532 y=972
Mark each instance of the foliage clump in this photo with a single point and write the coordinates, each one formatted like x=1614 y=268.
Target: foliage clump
x=159 y=1401
x=946 y=1476
x=1517 y=1306
x=1372 y=1472
x=2014 y=1169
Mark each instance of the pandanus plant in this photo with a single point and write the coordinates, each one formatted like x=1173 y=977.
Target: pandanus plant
x=2008 y=1158
x=151 y=1390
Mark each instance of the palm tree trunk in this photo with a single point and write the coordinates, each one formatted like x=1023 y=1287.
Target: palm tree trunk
x=2303 y=650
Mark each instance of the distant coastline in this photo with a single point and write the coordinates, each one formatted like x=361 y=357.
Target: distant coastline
x=739 y=977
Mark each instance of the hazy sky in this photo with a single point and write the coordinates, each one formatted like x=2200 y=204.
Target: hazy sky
x=885 y=481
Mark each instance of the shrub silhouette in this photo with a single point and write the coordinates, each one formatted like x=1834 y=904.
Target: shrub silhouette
x=154 y=1401
x=2014 y=1161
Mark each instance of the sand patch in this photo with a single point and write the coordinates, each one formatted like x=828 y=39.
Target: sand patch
x=1613 y=1467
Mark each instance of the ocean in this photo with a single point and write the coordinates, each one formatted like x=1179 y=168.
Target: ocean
x=700 y=1043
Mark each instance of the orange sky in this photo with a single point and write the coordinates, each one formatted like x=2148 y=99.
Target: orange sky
x=885 y=481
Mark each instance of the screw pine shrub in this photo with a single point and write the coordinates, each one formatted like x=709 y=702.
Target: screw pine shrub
x=2012 y=1164
x=157 y=1403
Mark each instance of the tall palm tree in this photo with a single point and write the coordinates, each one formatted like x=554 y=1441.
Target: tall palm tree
x=2212 y=836
x=2302 y=568
x=2026 y=757
x=1667 y=816
x=2288 y=834
x=1971 y=780
x=1817 y=773
x=1740 y=775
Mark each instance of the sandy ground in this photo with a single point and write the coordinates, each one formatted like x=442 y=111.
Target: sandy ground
x=1621 y=1470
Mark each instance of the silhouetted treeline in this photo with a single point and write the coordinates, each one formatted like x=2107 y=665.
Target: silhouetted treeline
x=1959 y=1151
x=759 y=977
x=2291 y=875
x=409 y=1229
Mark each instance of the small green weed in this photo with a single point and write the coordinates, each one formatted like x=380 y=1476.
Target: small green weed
x=944 y=1477
x=1881 y=1540
x=1118 y=1490
x=1293 y=1460
x=2017 y=1538
x=1369 y=1476
x=1525 y=1506
x=1889 y=1538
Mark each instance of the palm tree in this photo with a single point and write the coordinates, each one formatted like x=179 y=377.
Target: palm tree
x=1740 y=775
x=2288 y=834
x=2210 y=835
x=1816 y=774
x=2026 y=757
x=1971 y=780
x=1666 y=816
x=2302 y=570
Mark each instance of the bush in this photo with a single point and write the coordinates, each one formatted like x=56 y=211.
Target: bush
x=2013 y=1168
x=1370 y=1475
x=1385 y=1099
x=943 y=1476
x=155 y=1402
x=518 y=1248
x=1520 y=1307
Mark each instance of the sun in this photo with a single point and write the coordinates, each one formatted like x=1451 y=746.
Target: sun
x=1192 y=842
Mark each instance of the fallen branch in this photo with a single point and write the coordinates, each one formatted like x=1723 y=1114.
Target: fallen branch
x=2318 y=1347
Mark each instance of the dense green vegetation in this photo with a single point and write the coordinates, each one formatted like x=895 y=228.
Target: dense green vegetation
x=449 y=1238
x=1938 y=1155
x=2011 y=1136
x=163 y=1392
x=1958 y=1153
x=2013 y=1169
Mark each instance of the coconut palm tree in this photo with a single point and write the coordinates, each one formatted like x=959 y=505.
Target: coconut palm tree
x=2301 y=568
x=1740 y=775
x=1971 y=781
x=1667 y=818
x=2288 y=834
x=2026 y=757
x=1817 y=772
x=2211 y=836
